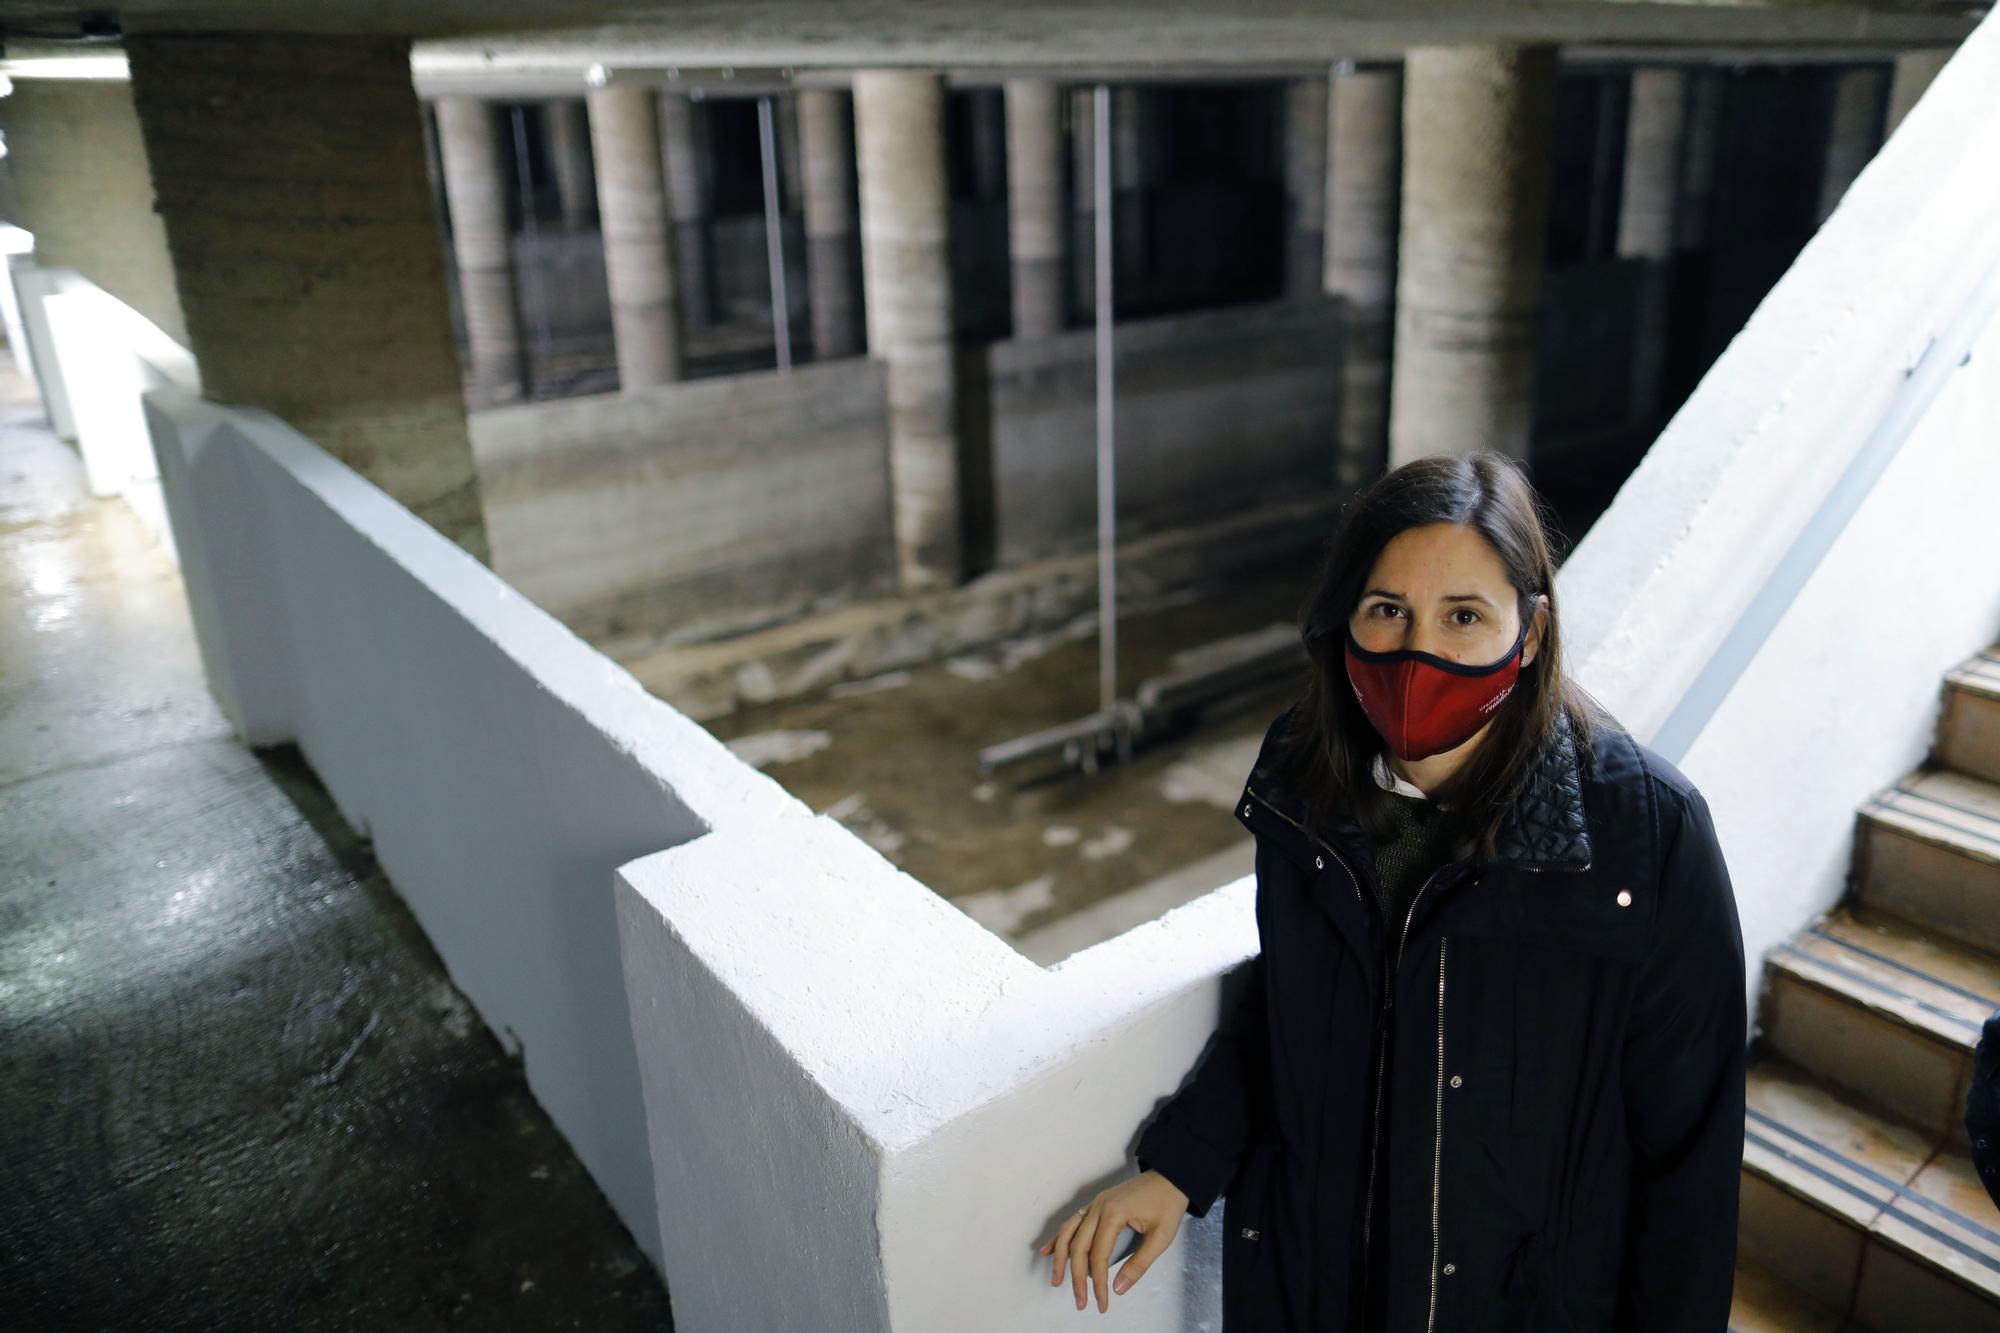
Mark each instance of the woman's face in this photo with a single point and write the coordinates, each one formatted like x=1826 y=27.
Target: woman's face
x=1442 y=589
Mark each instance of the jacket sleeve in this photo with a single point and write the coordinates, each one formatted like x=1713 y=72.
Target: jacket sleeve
x=1683 y=1070
x=1200 y=1135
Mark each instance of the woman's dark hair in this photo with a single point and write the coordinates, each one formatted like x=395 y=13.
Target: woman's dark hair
x=1328 y=751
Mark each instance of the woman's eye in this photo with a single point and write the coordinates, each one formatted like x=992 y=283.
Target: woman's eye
x=1466 y=611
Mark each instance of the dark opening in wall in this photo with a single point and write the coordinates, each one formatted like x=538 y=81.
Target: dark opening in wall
x=735 y=155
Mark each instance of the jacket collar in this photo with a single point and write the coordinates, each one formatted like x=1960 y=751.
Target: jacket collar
x=1545 y=828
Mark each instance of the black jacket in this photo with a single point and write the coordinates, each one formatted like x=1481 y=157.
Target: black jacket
x=1561 y=1086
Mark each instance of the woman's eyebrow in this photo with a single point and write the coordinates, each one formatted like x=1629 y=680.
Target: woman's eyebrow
x=1451 y=597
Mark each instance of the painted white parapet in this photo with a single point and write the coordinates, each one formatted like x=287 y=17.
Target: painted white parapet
x=15 y=243
x=32 y=284
x=867 y=1112
x=92 y=356
x=848 y=1105
x=502 y=766
x=1775 y=592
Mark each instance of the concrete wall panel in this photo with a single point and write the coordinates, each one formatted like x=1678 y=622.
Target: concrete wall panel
x=86 y=192
x=699 y=507
x=1217 y=410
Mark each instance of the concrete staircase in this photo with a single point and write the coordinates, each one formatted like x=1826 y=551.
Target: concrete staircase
x=1861 y=1208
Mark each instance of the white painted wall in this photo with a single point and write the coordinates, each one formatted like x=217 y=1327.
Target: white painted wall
x=92 y=356
x=893 y=1109
x=109 y=354
x=33 y=284
x=13 y=242
x=1842 y=696
x=502 y=767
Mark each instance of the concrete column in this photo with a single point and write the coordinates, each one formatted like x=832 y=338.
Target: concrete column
x=1652 y=164
x=638 y=244
x=905 y=233
x=288 y=173
x=1365 y=137
x=1305 y=186
x=1035 y=218
x=1914 y=72
x=1646 y=213
x=1702 y=121
x=826 y=144
x=475 y=182
x=688 y=203
x=1853 y=131
x=1477 y=124
x=1083 y=200
x=569 y=150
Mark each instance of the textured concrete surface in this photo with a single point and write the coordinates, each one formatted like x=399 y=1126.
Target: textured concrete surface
x=899 y=140
x=1218 y=411
x=78 y=166
x=237 y=1089
x=1477 y=135
x=290 y=176
x=638 y=234
x=683 y=133
x=698 y=508
x=1036 y=220
x=833 y=253
x=1853 y=131
x=475 y=180
x=1914 y=72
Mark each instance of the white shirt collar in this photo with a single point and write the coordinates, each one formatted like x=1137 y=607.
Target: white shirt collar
x=1388 y=781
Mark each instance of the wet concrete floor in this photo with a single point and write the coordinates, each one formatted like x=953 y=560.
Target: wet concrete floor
x=237 y=1088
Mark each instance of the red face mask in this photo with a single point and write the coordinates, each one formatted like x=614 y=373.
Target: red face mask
x=1423 y=704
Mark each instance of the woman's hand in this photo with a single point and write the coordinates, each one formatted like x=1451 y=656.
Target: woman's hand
x=1149 y=1203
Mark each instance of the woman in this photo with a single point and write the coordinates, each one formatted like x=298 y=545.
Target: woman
x=1488 y=1069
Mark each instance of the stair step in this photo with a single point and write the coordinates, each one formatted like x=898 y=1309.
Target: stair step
x=1764 y=1304
x=1861 y=1213
x=1928 y=849
x=1968 y=736
x=1870 y=1002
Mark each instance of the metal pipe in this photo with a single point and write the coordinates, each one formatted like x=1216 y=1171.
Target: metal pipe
x=774 y=238
x=1107 y=494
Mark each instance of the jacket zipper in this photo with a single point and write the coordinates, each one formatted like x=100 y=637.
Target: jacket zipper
x=1375 y=1117
x=1388 y=1000
x=1437 y=1146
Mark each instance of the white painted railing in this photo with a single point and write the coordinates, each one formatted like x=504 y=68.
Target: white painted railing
x=501 y=765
